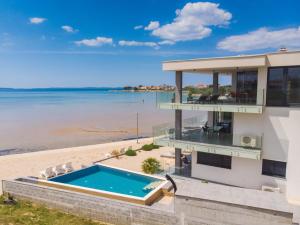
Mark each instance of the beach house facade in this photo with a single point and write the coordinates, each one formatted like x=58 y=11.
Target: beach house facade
x=251 y=136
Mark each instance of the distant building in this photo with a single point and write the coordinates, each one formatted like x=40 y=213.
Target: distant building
x=201 y=85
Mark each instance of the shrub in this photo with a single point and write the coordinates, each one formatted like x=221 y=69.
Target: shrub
x=115 y=153
x=150 y=147
x=130 y=152
x=151 y=165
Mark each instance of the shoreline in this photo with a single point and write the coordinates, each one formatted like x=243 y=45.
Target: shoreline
x=16 y=151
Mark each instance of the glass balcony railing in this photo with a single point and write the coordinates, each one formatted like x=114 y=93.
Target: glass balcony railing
x=193 y=131
x=228 y=99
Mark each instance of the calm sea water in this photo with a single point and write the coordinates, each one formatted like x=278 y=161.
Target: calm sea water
x=54 y=118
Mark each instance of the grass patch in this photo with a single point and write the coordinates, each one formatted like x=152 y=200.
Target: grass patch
x=130 y=152
x=24 y=212
x=150 y=147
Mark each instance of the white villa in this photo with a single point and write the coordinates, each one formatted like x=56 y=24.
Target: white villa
x=251 y=137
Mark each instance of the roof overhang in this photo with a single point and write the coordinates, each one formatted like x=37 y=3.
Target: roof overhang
x=224 y=64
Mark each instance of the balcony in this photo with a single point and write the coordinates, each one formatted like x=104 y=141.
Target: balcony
x=240 y=104
x=194 y=138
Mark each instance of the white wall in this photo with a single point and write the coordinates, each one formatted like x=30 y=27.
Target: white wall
x=280 y=127
x=243 y=173
x=272 y=125
x=293 y=165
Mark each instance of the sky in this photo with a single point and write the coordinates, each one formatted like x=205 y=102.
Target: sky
x=113 y=43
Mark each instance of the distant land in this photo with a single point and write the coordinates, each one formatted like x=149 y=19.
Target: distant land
x=142 y=88
x=125 y=88
x=61 y=88
x=193 y=89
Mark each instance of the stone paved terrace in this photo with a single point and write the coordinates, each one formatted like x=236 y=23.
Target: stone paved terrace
x=198 y=189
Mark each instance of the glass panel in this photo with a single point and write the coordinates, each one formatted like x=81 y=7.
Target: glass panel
x=247 y=86
x=196 y=130
x=274 y=168
x=276 y=93
x=293 y=86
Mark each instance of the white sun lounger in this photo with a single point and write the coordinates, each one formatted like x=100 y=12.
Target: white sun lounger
x=47 y=173
x=68 y=167
x=59 y=170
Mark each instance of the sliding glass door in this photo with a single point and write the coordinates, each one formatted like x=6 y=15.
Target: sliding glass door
x=247 y=87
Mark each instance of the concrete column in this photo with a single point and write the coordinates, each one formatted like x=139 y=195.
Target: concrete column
x=178 y=117
x=234 y=81
x=262 y=75
x=215 y=83
x=178 y=87
x=211 y=115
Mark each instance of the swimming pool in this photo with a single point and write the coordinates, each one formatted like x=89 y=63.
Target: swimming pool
x=111 y=182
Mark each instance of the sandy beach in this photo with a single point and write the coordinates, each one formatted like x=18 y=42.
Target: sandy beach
x=30 y=164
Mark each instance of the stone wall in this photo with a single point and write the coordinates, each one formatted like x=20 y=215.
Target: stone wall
x=106 y=210
x=188 y=211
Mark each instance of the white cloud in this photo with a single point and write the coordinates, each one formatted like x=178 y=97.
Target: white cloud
x=192 y=22
x=152 y=25
x=138 y=27
x=166 y=42
x=155 y=45
x=37 y=20
x=138 y=43
x=96 y=42
x=262 y=39
x=69 y=29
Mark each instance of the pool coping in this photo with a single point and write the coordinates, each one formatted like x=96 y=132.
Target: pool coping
x=146 y=200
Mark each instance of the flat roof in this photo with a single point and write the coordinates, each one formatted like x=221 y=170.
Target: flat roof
x=224 y=63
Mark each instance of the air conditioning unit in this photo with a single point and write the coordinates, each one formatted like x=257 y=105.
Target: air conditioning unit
x=270 y=189
x=248 y=141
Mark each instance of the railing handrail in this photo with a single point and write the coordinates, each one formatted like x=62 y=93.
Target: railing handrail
x=258 y=99
x=189 y=133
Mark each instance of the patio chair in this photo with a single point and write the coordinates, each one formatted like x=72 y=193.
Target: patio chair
x=68 y=167
x=47 y=173
x=58 y=170
x=202 y=99
x=214 y=98
x=205 y=129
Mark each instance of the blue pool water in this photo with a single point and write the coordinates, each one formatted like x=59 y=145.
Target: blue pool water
x=108 y=179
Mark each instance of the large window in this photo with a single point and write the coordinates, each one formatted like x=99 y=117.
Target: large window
x=247 y=86
x=209 y=159
x=283 y=87
x=273 y=168
x=293 y=85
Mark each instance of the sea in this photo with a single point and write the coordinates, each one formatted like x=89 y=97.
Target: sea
x=50 y=118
